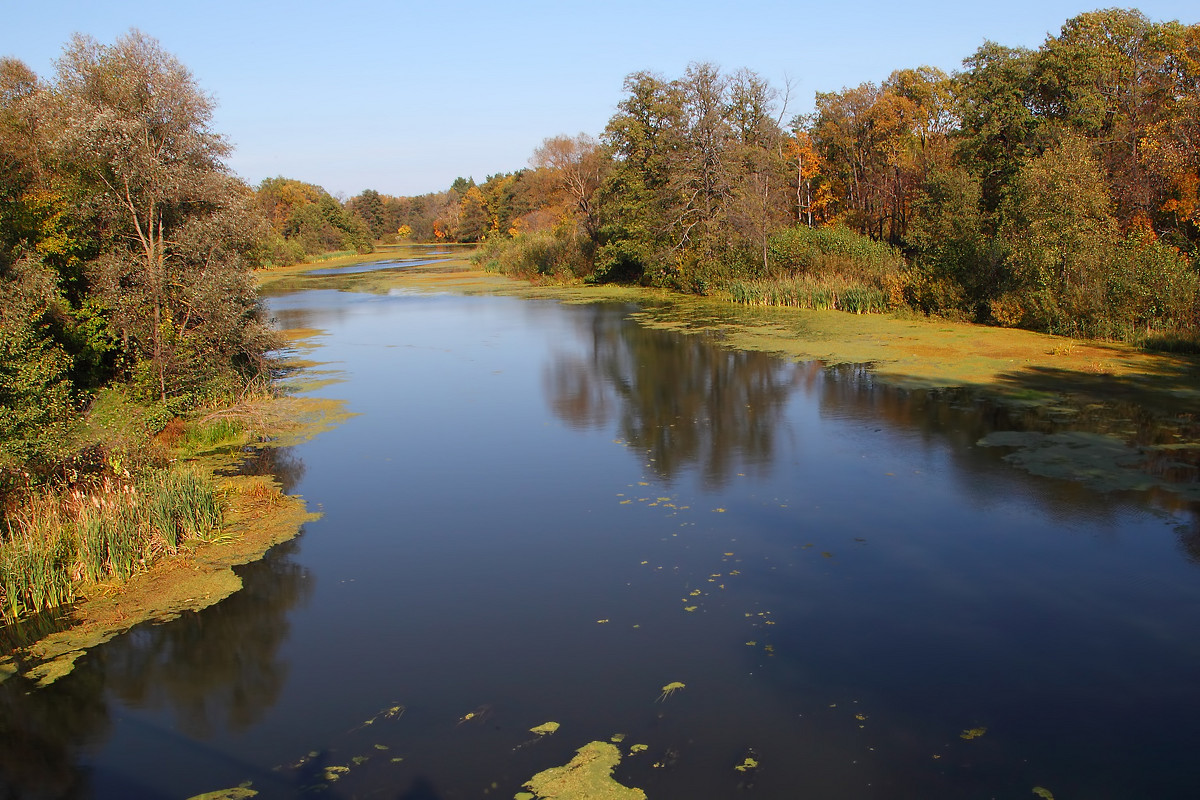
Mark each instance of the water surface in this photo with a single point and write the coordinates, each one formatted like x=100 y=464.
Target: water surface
x=547 y=512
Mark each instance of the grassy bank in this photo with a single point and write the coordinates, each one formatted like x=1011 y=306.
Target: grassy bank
x=59 y=543
x=151 y=524
x=903 y=349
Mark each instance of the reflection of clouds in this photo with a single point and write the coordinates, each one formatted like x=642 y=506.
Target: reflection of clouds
x=681 y=399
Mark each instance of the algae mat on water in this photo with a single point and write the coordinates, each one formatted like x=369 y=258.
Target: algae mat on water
x=1014 y=365
x=588 y=776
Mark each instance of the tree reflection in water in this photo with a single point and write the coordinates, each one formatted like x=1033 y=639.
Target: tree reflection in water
x=220 y=667
x=217 y=668
x=683 y=401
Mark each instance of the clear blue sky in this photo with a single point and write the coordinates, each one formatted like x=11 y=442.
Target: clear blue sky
x=402 y=97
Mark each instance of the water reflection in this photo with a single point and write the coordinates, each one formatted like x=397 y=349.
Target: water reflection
x=43 y=733
x=220 y=668
x=682 y=401
x=280 y=462
x=465 y=562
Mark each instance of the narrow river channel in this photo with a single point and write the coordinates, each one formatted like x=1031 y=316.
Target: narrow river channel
x=756 y=578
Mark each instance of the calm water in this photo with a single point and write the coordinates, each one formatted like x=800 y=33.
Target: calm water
x=549 y=513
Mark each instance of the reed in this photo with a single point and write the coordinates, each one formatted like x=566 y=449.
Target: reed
x=831 y=292
x=58 y=543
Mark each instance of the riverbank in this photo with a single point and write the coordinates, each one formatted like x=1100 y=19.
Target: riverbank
x=1012 y=365
x=257 y=514
x=1137 y=407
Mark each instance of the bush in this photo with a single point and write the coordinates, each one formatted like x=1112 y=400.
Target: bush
x=558 y=254
x=832 y=249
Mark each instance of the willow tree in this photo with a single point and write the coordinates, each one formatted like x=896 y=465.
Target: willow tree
x=135 y=129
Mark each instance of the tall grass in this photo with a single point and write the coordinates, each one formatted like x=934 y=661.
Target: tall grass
x=59 y=543
x=824 y=268
x=807 y=291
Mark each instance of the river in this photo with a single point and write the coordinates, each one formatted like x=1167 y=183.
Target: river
x=548 y=512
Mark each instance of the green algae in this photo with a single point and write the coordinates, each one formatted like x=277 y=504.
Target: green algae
x=545 y=729
x=235 y=793
x=671 y=688
x=588 y=776
x=1043 y=793
x=973 y=733
x=1104 y=462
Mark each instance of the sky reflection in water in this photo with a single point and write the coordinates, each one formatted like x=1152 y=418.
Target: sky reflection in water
x=549 y=512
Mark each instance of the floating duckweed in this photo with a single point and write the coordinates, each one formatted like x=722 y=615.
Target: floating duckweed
x=638 y=748
x=381 y=747
x=617 y=738
x=746 y=765
x=587 y=776
x=524 y=796
x=670 y=689
x=973 y=733
x=1043 y=793
x=690 y=608
x=545 y=729
x=236 y=793
x=360 y=760
x=334 y=773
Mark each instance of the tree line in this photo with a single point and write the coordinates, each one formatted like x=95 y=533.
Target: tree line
x=126 y=246
x=1056 y=189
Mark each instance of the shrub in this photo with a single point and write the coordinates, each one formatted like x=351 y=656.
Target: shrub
x=832 y=249
x=559 y=254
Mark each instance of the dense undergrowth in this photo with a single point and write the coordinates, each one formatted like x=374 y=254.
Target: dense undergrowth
x=133 y=491
x=1138 y=291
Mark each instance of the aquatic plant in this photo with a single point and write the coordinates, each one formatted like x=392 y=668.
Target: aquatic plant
x=59 y=543
x=823 y=293
x=587 y=776
x=669 y=690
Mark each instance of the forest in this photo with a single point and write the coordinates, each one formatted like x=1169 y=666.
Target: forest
x=1055 y=189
